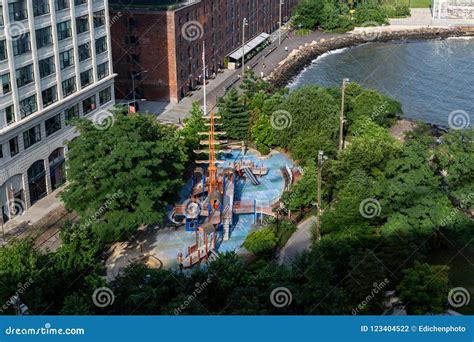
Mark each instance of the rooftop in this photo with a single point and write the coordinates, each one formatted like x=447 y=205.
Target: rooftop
x=156 y=5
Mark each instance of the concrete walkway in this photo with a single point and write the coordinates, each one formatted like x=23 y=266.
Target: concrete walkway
x=265 y=62
x=33 y=216
x=423 y=17
x=299 y=242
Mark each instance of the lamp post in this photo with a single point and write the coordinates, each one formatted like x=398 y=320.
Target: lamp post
x=133 y=86
x=321 y=159
x=342 y=119
x=244 y=23
x=279 y=30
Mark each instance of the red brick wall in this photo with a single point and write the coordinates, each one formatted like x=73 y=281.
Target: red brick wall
x=174 y=62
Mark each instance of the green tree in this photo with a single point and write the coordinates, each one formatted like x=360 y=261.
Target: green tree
x=123 y=176
x=308 y=14
x=303 y=193
x=235 y=116
x=261 y=242
x=424 y=289
x=368 y=152
x=192 y=126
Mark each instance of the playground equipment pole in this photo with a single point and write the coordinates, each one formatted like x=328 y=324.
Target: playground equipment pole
x=341 y=119
x=318 y=222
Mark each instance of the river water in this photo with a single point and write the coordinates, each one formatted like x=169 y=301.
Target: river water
x=432 y=79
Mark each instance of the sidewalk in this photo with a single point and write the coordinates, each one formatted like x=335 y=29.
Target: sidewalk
x=271 y=56
x=39 y=213
x=298 y=243
x=423 y=17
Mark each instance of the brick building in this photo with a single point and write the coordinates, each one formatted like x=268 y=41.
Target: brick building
x=157 y=45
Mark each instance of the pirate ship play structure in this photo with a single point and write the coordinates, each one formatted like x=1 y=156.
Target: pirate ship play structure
x=210 y=210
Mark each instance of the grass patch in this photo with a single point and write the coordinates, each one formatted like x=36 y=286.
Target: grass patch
x=461 y=272
x=411 y=3
x=302 y=32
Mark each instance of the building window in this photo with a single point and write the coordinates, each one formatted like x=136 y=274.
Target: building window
x=88 y=105
x=100 y=45
x=52 y=125
x=102 y=70
x=24 y=76
x=61 y=4
x=32 y=136
x=105 y=96
x=40 y=7
x=87 y=77
x=82 y=24
x=64 y=30
x=80 y=2
x=66 y=59
x=3 y=50
x=13 y=143
x=69 y=86
x=46 y=67
x=9 y=115
x=5 y=84
x=84 y=52
x=71 y=113
x=21 y=44
x=99 y=18
x=44 y=37
x=28 y=106
x=49 y=96
x=18 y=11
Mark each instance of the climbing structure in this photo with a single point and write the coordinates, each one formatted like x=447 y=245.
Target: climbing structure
x=209 y=212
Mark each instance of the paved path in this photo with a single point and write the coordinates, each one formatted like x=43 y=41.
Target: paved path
x=299 y=242
x=423 y=17
x=270 y=56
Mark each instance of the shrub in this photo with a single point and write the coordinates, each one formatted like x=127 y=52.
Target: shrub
x=261 y=242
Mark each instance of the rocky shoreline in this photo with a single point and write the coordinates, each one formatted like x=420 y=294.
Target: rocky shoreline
x=300 y=58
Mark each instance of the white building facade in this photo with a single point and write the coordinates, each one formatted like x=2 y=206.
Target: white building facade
x=55 y=65
x=453 y=9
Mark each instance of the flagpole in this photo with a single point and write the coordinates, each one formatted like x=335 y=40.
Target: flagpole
x=204 y=75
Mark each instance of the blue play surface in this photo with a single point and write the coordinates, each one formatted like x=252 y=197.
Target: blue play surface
x=170 y=242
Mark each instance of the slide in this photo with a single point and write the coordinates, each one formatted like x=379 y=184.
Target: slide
x=251 y=176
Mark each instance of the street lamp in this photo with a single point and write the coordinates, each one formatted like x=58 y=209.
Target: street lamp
x=279 y=30
x=342 y=119
x=244 y=23
x=321 y=158
x=133 y=86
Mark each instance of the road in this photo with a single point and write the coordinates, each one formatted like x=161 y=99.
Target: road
x=299 y=242
x=271 y=56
